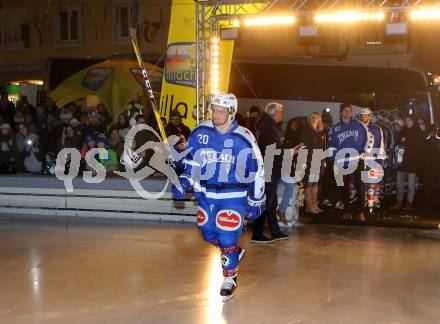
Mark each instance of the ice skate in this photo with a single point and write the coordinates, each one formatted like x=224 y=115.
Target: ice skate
x=228 y=288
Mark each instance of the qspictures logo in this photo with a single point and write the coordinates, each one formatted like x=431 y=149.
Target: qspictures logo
x=209 y=166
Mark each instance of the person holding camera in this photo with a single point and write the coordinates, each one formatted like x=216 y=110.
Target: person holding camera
x=33 y=160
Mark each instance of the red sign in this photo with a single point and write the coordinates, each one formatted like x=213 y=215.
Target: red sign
x=228 y=220
x=202 y=217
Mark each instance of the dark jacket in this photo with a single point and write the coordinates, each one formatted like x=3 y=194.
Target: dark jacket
x=267 y=134
x=72 y=142
x=7 y=148
x=250 y=123
x=291 y=138
x=313 y=140
x=7 y=110
x=432 y=147
x=412 y=140
x=181 y=130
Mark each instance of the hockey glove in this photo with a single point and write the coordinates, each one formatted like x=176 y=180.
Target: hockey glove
x=255 y=208
x=186 y=186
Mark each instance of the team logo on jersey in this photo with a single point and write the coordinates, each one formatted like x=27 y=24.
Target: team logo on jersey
x=202 y=217
x=225 y=260
x=228 y=220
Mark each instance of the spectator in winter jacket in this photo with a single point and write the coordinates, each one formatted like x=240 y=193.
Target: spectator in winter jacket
x=175 y=126
x=89 y=143
x=20 y=147
x=70 y=138
x=122 y=125
x=7 y=149
x=291 y=139
x=431 y=174
x=33 y=161
x=6 y=109
x=107 y=156
x=412 y=140
x=49 y=164
x=116 y=142
x=251 y=120
x=267 y=134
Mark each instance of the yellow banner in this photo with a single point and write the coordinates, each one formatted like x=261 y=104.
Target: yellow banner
x=179 y=82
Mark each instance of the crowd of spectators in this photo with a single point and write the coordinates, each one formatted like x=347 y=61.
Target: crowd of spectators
x=31 y=137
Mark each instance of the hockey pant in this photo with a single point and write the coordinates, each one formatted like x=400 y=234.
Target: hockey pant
x=221 y=225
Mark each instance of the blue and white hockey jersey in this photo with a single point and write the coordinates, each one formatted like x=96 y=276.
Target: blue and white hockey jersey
x=224 y=167
x=375 y=141
x=351 y=135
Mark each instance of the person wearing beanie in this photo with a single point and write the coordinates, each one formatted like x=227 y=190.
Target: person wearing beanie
x=89 y=143
x=252 y=118
x=107 y=156
x=175 y=125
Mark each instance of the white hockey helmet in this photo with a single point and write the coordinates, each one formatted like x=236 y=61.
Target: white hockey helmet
x=366 y=111
x=226 y=100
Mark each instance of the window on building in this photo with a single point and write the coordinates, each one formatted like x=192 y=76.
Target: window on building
x=14 y=29
x=123 y=22
x=69 y=25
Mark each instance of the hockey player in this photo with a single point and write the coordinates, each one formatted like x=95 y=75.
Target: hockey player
x=349 y=133
x=374 y=156
x=225 y=169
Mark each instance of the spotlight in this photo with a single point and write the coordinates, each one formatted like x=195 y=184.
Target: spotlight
x=426 y=14
x=343 y=17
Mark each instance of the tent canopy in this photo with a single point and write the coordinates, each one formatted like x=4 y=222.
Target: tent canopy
x=114 y=81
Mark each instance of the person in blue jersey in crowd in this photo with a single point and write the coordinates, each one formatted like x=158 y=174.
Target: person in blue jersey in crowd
x=225 y=169
x=349 y=133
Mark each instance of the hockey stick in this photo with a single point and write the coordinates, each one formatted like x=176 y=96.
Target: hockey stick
x=147 y=84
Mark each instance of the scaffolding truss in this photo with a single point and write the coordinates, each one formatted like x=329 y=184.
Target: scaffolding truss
x=209 y=15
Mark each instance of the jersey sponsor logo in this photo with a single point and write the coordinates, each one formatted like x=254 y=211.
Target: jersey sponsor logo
x=210 y=156
x=202 y=217
x=347 y=134
x=228 y=220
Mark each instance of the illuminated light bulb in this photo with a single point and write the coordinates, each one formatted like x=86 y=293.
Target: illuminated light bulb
x=215 y=47
x=215 y=53
x=215 y=40
x=215 y=66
